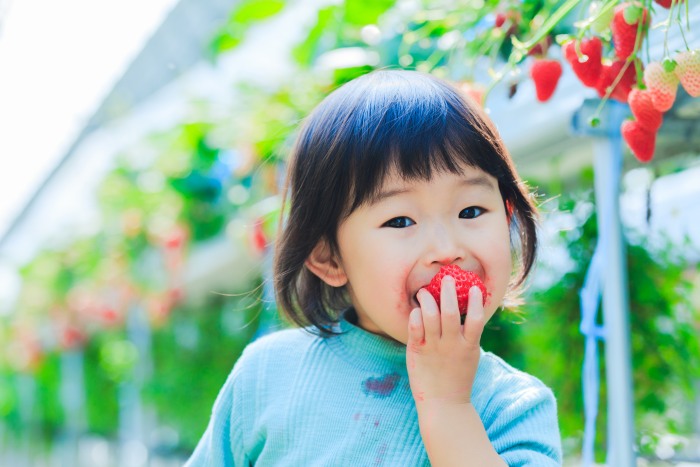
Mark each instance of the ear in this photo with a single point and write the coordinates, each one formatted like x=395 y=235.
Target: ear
x=323 y=264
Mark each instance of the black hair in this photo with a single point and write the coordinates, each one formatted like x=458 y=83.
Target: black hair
x=412 y=122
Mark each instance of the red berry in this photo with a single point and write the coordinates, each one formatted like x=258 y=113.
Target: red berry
x=588 y=71
x=624 y=33
x=500 y=19
x=643 y=110
x=667 y=3
x=464 y=280
x=608 y=76
x=545 y=74
x=540 y=49
x=641 y=141
x=258 y=237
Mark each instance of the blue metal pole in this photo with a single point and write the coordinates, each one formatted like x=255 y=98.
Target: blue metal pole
x=612 y=271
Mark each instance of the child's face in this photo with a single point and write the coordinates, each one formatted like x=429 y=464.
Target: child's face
x=393 y=247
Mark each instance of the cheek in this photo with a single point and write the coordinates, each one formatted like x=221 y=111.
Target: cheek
x=399 y=286
x=500 y=268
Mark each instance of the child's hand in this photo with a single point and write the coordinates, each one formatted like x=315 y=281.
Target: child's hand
x=441 y=354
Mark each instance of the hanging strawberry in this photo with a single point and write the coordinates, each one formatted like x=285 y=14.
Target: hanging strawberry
x=644 y=111
x=662 y=85
x=588 y=65
x=71 y=337
x=609 y=74
x=641 y=141
x=667 y=3
x=545 y=73
x=625 y=27
x=258 y=237
x=688 y=71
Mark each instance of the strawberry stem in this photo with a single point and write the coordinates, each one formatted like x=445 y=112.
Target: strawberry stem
x=609 y=90
x=668 y=27
x=679 y=20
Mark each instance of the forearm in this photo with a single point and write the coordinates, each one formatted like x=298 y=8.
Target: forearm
x=454 y=435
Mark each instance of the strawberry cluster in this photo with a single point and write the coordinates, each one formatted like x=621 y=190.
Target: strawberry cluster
x=615 y=70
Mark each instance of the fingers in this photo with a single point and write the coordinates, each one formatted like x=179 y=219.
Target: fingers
x=475 y=321
x=449 y=309
x=430 y=314
x=416 y=331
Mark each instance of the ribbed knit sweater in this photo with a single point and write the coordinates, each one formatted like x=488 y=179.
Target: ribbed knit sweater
x=296 y=399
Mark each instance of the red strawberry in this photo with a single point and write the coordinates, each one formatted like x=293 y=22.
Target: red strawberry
x=608 y=76
x=464 y=280
x=625 y=33
x=545 y=74
x=667 y=3
x=641 y=141
x=500 y=19
x=540 y=49
x=688 y=71
x=588 y=70
x=662 y=85
x=643 y=110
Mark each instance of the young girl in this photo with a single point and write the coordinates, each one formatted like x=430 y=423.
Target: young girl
x=393 y=176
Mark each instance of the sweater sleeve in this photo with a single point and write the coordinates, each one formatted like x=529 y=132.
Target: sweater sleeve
x=526 y=431
x=222 y=442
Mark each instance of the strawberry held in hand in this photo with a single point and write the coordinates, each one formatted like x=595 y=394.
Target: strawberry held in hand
x=464 y=280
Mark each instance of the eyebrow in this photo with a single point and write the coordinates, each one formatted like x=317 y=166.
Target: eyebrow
x=477 y=181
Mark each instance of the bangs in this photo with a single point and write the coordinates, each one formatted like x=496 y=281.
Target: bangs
x=414 y=129
x=388 y=122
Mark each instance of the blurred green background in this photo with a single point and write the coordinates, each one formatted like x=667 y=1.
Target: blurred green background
x=117 y=337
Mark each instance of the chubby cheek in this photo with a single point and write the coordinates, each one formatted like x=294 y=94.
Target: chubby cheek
x=402 y=305
x=497 y=279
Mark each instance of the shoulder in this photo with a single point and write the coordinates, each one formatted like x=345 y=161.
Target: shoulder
x=500 y=390
x=277 y=349
x=519 y=413
x=293 y=338
x=495 y=372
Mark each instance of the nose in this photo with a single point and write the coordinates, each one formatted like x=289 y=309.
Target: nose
x=444 y=245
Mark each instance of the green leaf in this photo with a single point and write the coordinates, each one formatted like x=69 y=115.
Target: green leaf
x=669 y=65
x=242 y=17
x=305 y=52
x=550 y=23
x=363 y=12
x=250 y=11
x=632 y=14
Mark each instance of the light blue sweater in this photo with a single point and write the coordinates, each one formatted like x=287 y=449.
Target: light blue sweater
x=296 y=399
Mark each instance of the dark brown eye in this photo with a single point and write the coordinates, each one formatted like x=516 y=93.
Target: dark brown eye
x=399 y=222
x=471 y=212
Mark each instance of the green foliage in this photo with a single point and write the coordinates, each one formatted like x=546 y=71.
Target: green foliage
x=101 y=386
x=307 y=51
x=244 y=15
x=207 y=341
x=665 y=350
x=364 y=12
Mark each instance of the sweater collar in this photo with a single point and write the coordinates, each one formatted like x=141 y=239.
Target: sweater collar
x=365 y=349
